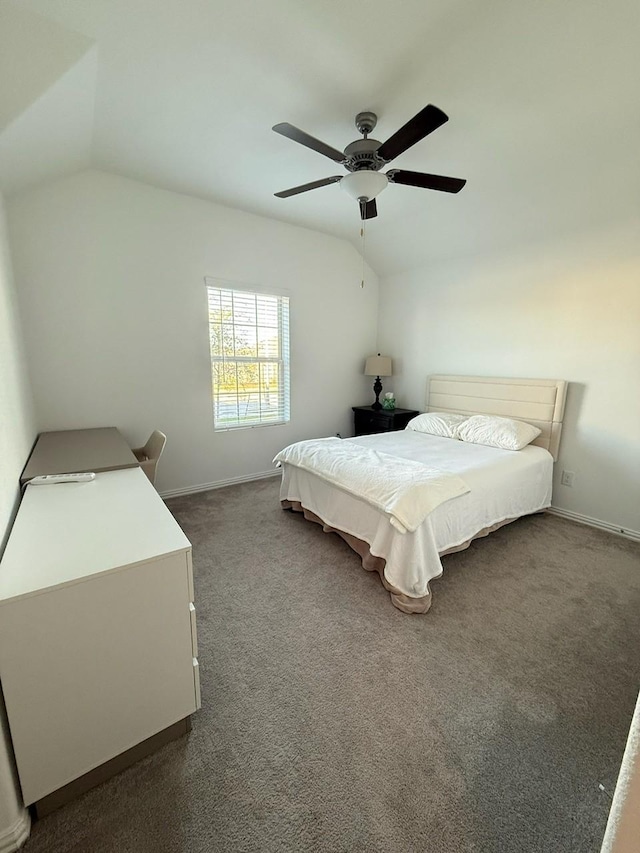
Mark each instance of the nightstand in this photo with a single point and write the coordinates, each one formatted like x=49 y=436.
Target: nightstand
x=368 y=420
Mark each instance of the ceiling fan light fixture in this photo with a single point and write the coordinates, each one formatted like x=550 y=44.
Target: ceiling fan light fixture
x=364 y=184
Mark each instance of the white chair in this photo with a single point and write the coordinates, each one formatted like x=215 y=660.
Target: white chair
x=148 y=455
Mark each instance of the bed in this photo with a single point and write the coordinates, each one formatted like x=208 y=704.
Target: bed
x=498 y=486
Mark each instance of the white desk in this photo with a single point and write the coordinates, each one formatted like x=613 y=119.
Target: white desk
x=75 y=450
x=97 y=626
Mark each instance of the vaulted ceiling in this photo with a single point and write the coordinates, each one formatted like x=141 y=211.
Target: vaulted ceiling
x=541 y=96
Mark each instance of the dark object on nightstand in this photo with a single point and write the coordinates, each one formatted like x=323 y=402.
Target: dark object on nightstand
x=368 y=420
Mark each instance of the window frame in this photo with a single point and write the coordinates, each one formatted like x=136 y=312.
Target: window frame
x=282 y=361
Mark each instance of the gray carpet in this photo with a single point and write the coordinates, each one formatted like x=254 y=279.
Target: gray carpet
x=333 y=722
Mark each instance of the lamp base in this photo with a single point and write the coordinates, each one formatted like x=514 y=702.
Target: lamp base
x=377 y=389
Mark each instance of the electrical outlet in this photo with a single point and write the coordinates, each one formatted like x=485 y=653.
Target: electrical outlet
x=567 y=478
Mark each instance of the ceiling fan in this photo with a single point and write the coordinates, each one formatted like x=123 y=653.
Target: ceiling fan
x=365 y=157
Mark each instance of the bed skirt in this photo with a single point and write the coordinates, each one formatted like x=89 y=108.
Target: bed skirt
x=376 y=564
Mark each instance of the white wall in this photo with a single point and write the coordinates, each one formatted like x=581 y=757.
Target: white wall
x=111 y=281
x=17 y=434
x=569 y=311
x=17 y=427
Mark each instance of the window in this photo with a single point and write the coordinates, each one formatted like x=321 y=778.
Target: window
x=249 y=336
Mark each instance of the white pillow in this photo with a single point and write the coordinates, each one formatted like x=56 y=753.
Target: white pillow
x=437 y=423
x=497 y=432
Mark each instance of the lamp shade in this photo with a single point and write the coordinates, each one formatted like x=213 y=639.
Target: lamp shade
x=378 y=365
x=364 y=184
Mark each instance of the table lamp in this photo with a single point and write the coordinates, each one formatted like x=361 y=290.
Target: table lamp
x=377 y=365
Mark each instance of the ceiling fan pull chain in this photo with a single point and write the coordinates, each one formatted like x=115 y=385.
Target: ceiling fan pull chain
x=362 y=234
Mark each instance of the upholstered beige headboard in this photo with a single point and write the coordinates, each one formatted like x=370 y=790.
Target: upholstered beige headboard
x=537 y=401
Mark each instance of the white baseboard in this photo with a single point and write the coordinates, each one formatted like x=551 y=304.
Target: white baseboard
x=219 y=484
x=595 y=522
x=13 y=838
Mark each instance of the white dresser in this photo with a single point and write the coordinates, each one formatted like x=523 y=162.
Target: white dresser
x=98 y=647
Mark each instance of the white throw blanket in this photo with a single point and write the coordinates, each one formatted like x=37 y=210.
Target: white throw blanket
x=406 y=490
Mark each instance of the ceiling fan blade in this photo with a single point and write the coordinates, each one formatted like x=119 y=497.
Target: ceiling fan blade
x=427 y=182
x=291 y=132
x=303 y=188
x=422 y=124
x=368 y=209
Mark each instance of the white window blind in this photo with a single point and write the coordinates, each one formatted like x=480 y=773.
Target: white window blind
x=249 y=336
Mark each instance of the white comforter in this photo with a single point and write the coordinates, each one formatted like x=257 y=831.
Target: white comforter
x=405 y=489
x=503 y=484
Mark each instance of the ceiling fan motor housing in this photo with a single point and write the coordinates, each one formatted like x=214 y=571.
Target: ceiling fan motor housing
x=362 y=154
